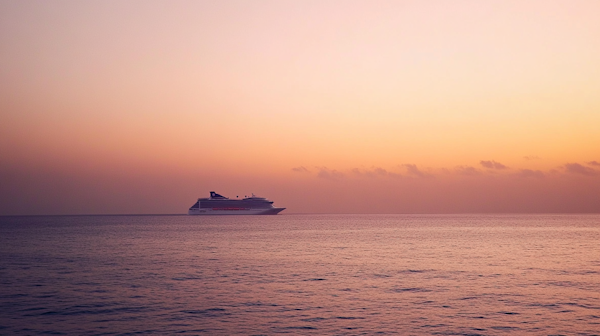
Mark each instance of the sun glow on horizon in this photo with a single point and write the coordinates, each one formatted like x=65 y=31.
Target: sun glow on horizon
x=140 y=98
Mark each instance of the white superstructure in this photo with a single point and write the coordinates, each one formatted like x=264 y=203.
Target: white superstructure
x=221 y=205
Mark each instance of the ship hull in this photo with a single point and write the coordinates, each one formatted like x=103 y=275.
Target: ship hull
x=216 y=212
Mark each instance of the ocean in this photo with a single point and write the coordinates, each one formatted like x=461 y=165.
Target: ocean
x=300 y=275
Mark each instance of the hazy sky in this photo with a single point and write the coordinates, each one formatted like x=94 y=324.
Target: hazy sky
x=321 y=106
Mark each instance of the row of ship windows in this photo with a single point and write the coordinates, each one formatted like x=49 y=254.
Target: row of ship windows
x=209 y=206
x=231 y=204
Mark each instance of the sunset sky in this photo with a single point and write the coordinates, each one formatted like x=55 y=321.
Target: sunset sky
x=127 y=107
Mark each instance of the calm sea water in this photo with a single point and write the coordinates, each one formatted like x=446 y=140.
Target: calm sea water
x=301 y=274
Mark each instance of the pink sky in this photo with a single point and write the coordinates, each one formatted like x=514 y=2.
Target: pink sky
x=321 y=106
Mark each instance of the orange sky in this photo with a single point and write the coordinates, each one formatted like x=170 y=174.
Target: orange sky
x=321 y=106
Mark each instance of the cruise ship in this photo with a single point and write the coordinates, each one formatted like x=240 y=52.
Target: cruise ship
x=221 y=205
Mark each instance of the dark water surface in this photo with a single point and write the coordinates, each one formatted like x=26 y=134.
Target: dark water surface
x=301 y=274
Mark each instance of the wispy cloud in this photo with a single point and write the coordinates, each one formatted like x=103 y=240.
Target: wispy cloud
x=531 y=157
x=414 y=171
x=492 y=165
x=300 y=169
x=528 y=173
x=576 y=168
x=594 y=163
x=467 y=171
x=375 y=172
x=329 y=174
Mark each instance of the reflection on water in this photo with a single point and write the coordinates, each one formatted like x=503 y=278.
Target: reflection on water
x=301 y=274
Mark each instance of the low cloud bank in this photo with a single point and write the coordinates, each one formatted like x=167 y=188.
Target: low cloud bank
x=405 y=188
x=494 y=168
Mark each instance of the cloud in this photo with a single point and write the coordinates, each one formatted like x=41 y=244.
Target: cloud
x=300 y=169
x=492 y=165
x=594 y=163
x=375 y=172
x=576 y=168
x=329 y=174
x=531 y=157
x=380 y=171
x=414 y=171
x=527 y=173
x=467 y=170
